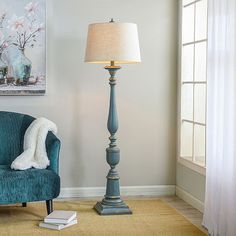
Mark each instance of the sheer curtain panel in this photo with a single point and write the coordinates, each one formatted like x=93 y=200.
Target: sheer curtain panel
x=220 y=200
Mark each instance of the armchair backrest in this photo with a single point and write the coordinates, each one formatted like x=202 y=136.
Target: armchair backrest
x=12 y=131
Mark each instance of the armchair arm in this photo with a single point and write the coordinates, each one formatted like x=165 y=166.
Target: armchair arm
x=53 y=145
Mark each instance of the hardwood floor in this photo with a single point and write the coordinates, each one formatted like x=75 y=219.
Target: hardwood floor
x=192 y=214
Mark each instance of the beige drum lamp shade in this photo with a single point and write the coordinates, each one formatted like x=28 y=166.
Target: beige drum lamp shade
x=112 y=41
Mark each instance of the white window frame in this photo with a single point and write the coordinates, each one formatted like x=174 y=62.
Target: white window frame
x=187 y=163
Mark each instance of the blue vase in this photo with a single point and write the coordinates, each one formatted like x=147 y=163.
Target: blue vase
x=3 y=70
x=21 y=69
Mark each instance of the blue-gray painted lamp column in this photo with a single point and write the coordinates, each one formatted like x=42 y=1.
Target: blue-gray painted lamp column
x=112 y=43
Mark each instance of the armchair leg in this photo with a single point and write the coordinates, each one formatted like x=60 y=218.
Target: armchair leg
x=49 y=204
x=24 y=204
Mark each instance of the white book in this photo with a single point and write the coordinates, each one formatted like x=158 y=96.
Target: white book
x=60 y=217
x=57 y=226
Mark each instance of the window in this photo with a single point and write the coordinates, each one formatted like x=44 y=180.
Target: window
x=193 y=82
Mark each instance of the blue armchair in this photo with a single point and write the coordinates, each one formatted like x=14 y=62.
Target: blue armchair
x=29 y=185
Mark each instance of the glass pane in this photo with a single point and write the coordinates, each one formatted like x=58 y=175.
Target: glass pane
x=185 y=2
x=201 y=20
x=200 y=103
x=200 y=61
x=188 y=24
x=187 y=63
x=187 y=102
x=186 y=140
x=199 y=144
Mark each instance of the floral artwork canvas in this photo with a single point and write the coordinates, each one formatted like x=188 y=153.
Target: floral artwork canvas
x=22 y=47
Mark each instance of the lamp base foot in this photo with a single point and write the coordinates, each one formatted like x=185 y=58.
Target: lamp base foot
x=120 y=209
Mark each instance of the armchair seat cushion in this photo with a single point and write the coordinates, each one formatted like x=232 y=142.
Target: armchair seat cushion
x=27 y=186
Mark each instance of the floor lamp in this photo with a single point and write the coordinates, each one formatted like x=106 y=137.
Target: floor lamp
x=112 y=43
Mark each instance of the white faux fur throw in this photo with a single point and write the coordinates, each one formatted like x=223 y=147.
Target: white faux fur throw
x=35 y=154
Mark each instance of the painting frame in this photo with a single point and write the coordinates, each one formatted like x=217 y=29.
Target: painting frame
x=26 y=80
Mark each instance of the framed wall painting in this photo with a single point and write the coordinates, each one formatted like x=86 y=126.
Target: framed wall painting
x=22 y=47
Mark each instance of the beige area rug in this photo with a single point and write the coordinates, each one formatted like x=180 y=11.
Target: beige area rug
x=150 y=217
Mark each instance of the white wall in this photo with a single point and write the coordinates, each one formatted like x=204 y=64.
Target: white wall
x=77 y=93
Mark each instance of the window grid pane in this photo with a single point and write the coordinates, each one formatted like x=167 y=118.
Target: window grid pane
x=193 y=77
x=188 y=23
x=187 y=141
x=200 y=103
x=201 y=20
x=200 y=61
x=187 y=102
x=199 y=145
x=187 y=63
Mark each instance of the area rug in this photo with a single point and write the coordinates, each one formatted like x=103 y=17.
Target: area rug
x=150 y=217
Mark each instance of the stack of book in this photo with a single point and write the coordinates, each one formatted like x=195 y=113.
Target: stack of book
x=59 y=220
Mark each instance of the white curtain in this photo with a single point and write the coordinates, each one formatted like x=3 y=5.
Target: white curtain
x=220 y=200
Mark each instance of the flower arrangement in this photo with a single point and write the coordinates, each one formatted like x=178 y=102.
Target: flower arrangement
x=25 y=29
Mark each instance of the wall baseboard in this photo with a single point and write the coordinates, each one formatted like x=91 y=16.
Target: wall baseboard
x=190 y=199
x=157 y=190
